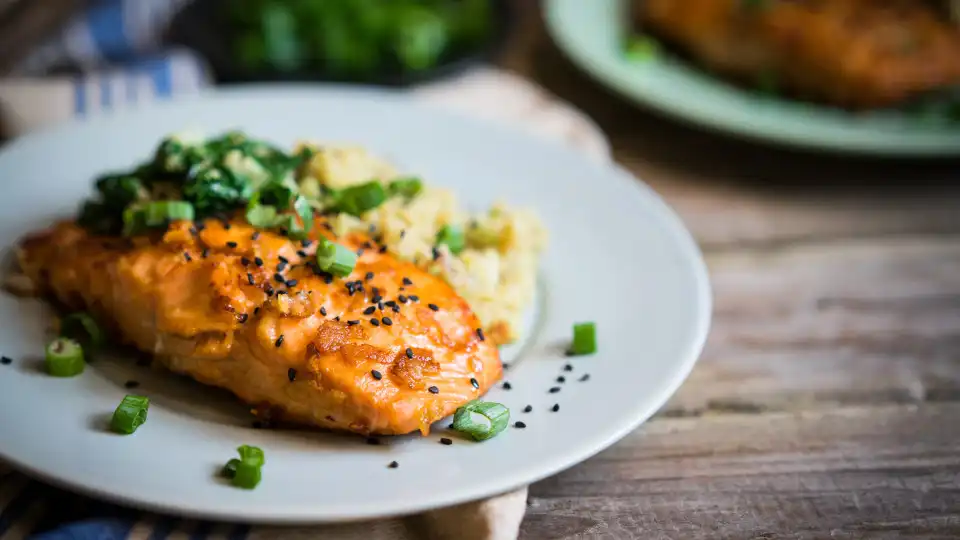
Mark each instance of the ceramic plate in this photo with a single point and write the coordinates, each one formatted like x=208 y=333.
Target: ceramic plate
x=617 y=256
x=592 y=33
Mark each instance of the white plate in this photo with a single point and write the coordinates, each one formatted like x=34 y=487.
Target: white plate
x=617 y=256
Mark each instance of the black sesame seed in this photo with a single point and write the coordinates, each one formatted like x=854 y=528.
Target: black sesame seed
x=393 y=465
x=368 y=276
x=359 y=287
x=370 y=310
x=242 y=318
x=561 y=379
x=302 y=254
x=244 y=261
x=205 y=253
x=414 y=298
x=231 y=245
x=480 y=334
x=446 y=441
x=376 y=297
x=519 y=424
x=387 y=321
x=373 y=441
x=528 y=408
x=306 y=243
x=395 y=308
x=194 y=231
x=383 y=249
x=258 y=261
x=350 y=287
x=131 y=384
x=568 y=367
x=226 y=226
x=409 y=352
x=291 y=283
x=353 y=322
x=554 y=389
x=281 y=266
x=256 y=310
x=376 y=374
x=337 y=318
x=323 y=311
x=507 y=386
x=436 y=253
x=380 y=306
x=474 y=382
x=279 y=341
x=278 y=277
x=328 y=226
x=555 y=408
x=6 y=360
x=328 y=279
x=433 y=390
x=406 y=281
x=268 y=290
x=250 y=278
x=403 y=233
x=390 y=303
x=200 y=226
x=283 y=259
x=433 y=307
x=374 y=321
x=586 y=377
x=292 y=374
x=360 y=252
x=187 y=256
x=402 y=299
x=375 y=291
x=255 y=235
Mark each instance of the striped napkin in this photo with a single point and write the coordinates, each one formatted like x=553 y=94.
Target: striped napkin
x=114 y=44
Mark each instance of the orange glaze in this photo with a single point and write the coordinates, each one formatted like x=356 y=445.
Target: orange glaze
x=201 y=316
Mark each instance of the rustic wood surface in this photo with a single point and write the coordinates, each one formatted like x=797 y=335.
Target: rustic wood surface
x=827 y=401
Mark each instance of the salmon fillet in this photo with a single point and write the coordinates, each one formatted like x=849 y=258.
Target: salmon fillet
x=387 y=350
x=852 y=53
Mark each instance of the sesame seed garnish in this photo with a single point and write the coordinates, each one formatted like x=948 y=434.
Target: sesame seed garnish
x=350 y=288
x=231 y=245
x=555 y=389
x=387 y=321
x=561 y=379
x=278 y=277
x=250 y=278
x=359 y=287
x=393 y=465
x=328 y=279
x=306 y=242
x=374 y=321
x=242 y=318
x=507 y=386
x=255 y=235
x=409 y=352
x=586 y=377
x=360 y=252
x=205 y=253
x=446 y=441
x=433 y=390
x=383 y=249
x=376 y=298
x=281 y=266
x=328 y=226
x=256 y=310
x=323 y=311
x=283 y=259
x=555 y=408
x=519 y=424
x=473 y=381
x=380 y=306
x=244 y=261
x=291 y=283
x=131 y=384
x=258 y=261
x=414 y=298
x=433 y=307
x=402 y=299
x=373 y=441
x=353 y=322
x=337 y=318
x=395 y=308
x=6 y=360
x=370 y=310
x=480 y=334
x=390 y=303
x=528 y=408
x=187 y=256
x=193 y=230
x=568 y=367
x=368 y=276
x=292 y=374
x=279 y=341
x=436 y=253
x=200 y=226
x=406 y=281
x=226 y=226
x=506 y=365
x=268 y=290
x=376 y=374
x=302 y=254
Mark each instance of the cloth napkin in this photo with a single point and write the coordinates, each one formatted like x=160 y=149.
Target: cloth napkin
x=115 y=45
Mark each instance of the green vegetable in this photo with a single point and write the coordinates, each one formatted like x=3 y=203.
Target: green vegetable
x=335 y=258
x=230 y=468
x=643 y=48
x=251 y=454
x=405 y=187
x=213 y=188
x=81 y=328
x=120 y=190
x=356 y=200
x=246 y=471
x=130 y=414
x=452 y=236
x=584 y=338
x=99 y=218
x=64 y=358
x=140 y=217
x=247 y=475
x=497 y=417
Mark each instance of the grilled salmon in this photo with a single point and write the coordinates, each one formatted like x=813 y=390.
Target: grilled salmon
x=853 y=53
x=388 y=349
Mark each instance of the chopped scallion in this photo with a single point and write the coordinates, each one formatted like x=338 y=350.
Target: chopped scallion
x=497 y=416
x=642 y=48
x=247 y=475
x=245 y=472
x=64 y=358
x=584 y=338
x=452 y=236
x=262 y=216
x=359 y=199
x=230 y=468
x=405 y=187
x=130 y=414
x=251 y=454
x=335 y=258
x=138 y=217
x=81 y=328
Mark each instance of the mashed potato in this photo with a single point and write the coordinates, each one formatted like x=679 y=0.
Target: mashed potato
x=495 y=273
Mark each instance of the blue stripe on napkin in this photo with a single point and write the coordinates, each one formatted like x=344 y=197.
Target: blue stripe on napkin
x=105 y=22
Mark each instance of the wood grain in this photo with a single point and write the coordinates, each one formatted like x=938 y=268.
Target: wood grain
x=826 y=403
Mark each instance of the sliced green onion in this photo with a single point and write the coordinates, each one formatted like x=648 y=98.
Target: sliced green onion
x=358 y=199
x=496 y=414
x=452 y=236
x=81 y=328
x=251 y=454
x=130 y=414
x=584 y=338
x=230 y=468
x=138 y=217
x=64 y=358
x=262 y=216
x=336 y=259
x=642 y=48
x=406 y=187
x=247 y=475
x=303 y=209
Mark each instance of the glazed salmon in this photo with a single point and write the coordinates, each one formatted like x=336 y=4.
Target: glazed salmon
x=387 y=350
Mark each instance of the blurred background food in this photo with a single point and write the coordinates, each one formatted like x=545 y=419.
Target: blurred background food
x=857 y=54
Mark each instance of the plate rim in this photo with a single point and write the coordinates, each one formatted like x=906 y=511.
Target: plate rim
x=672 y=226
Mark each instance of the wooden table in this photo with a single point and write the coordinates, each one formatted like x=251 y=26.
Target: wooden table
x=827 y=401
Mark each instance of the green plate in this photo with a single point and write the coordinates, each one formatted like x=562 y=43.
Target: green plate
x=591 y=33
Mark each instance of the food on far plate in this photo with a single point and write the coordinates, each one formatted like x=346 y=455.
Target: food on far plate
x=852 y=53
x=318 y=286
